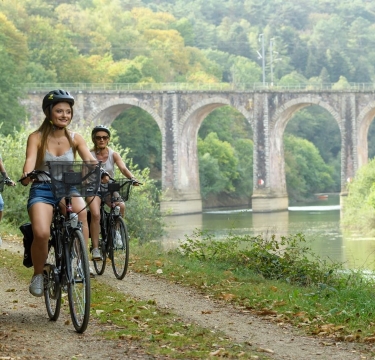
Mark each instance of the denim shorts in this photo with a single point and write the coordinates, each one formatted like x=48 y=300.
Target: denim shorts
x=41 y=193
x=1 y=203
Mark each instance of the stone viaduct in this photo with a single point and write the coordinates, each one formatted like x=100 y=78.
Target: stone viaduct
x=179 y=115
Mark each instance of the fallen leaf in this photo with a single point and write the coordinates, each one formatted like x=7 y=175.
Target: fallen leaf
x=176 y=334
x=118 y=310
x=216 y=352
x=265 y=350
x=228 y=297
x=158 y=263
x=98 y=312
x=266 y=312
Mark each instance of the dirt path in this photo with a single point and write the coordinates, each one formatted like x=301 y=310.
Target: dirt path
x=25 y=332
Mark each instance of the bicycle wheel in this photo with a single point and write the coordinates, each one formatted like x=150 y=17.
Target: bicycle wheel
x=100 y=265
x=120 y=248
x=79 y=284
x=52 y=286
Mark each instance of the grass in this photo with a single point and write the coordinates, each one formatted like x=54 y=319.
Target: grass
x=279 y=280
x=283 y=283
x=157 y=331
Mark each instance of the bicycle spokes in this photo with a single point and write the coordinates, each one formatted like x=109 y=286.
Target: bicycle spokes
x=79 y=285
x=120 y=248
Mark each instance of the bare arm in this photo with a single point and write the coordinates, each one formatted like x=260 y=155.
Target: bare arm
x=31 y=155
x=121 y=165
x=2 y=168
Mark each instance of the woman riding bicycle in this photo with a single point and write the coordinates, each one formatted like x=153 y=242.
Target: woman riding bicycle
x=100 y=136
x=50 y=142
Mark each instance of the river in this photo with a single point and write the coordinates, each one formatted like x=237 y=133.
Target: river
x=319 y=221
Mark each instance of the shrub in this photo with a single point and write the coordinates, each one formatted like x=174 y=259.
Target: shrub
x=286 y=259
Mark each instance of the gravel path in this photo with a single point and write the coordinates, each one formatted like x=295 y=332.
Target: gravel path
x=26 y=333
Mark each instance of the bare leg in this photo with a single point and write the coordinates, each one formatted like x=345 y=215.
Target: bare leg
x=41 y=217
x=95 y=221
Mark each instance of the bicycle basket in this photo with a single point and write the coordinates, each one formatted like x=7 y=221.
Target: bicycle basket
x=74 y=178
x=120 y=187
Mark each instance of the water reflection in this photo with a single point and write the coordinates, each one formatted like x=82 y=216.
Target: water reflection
x=319 y=222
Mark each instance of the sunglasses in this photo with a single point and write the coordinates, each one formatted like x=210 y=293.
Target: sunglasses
x=101 y=138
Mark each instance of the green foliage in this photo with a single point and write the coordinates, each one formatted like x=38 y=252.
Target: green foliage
x=12 y=69
x=143 y=215
x=15 y=198
x=229 y=125
x=227 y=163
x=287 y=259
x=244 y=154
x=138 y=131
x=359 y=206
x=212 y=180
x=317 y=126
x=306 y=172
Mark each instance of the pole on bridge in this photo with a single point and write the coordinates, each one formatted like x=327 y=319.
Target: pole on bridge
x=261 y=39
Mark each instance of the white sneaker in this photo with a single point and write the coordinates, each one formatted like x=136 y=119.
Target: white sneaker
x=96 y=255
x=36 y=287
x=118 y=239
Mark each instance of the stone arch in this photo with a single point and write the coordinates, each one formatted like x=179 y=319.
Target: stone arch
x=207 y=105
x=116 y=106
x=364 y=120
x=277 y=127
x=284 y=112
x=188 y=128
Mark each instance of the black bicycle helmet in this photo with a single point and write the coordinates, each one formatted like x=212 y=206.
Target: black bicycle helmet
x=56 y=96
x=99 y=128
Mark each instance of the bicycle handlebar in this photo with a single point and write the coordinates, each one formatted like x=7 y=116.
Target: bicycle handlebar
x=34 y=175
x=133 y=181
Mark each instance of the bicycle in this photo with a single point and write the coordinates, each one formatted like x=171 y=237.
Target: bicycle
x=114 y=237
x=67 y=265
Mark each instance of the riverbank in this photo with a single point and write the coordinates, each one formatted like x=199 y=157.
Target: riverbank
x=268 y=337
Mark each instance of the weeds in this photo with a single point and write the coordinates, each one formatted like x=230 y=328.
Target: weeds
x=278 y=279
x=287 y=259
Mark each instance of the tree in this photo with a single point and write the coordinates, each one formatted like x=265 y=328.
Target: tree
x=293 y=79
x=13 y=52
x=138 y=131
x=359 y=209
x=245 y=71
x=306 y=172
x=227 y=163
x=244 y=154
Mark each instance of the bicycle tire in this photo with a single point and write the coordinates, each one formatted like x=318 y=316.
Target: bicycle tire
x=99 y=266
x=119 y=252
x=79 y=284
x=52 y=285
